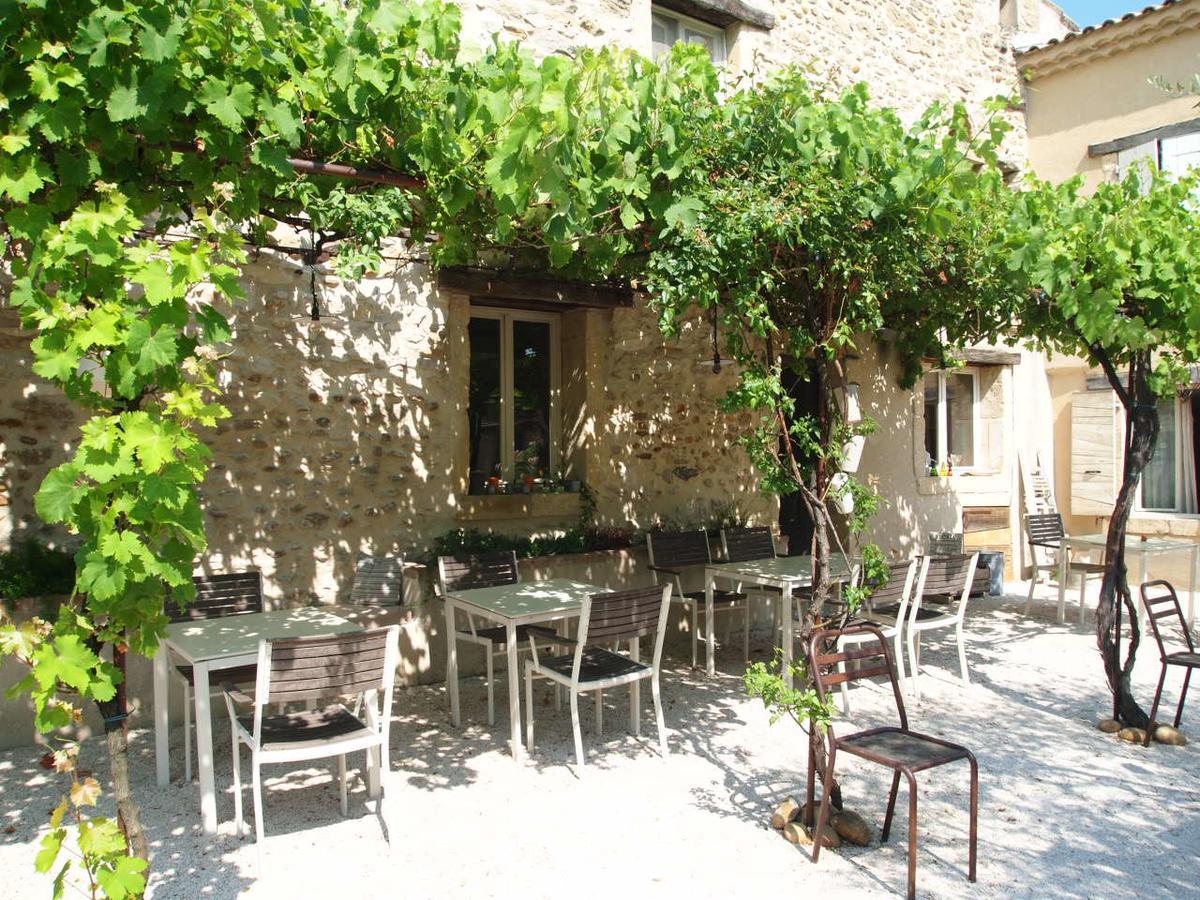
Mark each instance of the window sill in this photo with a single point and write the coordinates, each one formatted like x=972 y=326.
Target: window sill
x=485 y=507
x=965 y=482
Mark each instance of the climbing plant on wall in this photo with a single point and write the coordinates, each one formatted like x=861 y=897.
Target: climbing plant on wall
x=815 y=222
x=144 y=146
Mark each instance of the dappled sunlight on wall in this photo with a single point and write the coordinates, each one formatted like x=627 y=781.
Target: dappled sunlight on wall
x=666 y=449
x=341 y=440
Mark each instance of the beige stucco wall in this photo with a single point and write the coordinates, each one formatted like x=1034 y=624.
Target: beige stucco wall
x=1014 y=417
x=347 y=434
x=1096 y=88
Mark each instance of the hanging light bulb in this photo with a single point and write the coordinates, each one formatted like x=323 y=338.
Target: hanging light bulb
x=311 y=258
x=716 y=365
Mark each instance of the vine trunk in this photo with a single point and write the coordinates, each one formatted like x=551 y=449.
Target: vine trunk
x=115 y=713
x=1141 y=434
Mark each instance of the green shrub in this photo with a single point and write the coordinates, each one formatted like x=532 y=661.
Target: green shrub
x=577 y=539
x=31 y=569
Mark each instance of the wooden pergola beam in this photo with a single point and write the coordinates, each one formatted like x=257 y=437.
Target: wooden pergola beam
x=353 y=173
x=493 y=284
x=331 y=170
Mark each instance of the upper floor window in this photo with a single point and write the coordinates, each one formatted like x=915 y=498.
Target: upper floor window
x=668 y=28
x=512 y=409
x=951 y=418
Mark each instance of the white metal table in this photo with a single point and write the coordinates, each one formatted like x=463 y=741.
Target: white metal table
x=1142 y=549
x=208 y=646
x=783 y=572
x=511 y=605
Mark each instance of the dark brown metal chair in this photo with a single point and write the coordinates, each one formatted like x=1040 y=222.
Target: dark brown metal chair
x=741 y=544
x=1160 y=606
x=670 y=553
x=900 y=749
x=217 y=596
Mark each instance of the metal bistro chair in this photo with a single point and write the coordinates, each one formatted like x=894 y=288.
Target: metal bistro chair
x=232 y=594
x=888 y=601
x=607 y=619
x=361 y=663
x=1045 y=532
x=942 y=576
x=378 y=581
x=900 y=749
x=1166 y=606
x=670 y=554
x=463 y=573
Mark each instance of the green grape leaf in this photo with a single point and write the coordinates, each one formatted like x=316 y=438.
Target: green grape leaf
x=125 y=879
x=60 y=491
x=51 y=844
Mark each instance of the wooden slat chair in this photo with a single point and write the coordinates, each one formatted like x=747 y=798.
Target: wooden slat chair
x=607 y=619
x=360 y=664
x=942 y=576
x=378 y=581
x=231 y=594
x=745 y=544
x=670 y=553
x=951 y=543
x=463 y=573
x=888 y=612
x=904 y=751
x=1045 y=533
x=1163 y=608
x=945 y=543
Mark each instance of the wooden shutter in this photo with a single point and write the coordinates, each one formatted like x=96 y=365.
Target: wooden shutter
x=1095 y=451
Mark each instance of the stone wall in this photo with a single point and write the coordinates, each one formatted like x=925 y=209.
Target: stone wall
x=38 y=425
x=348 y=434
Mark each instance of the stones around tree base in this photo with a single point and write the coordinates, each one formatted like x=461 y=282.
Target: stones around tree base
x=830 y=839
x=795 y=834
x=852 y=828
x=785 y=812
x=1109 y=726
x=843 y=825
x=1166 y=734
x=1133 y=735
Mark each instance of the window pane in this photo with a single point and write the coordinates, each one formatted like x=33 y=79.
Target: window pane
x=704 y=40
x=931 y=417
x=663 y=33
x=960 y=419
x=531 y=398
x=483 y=410
x=1158 y=481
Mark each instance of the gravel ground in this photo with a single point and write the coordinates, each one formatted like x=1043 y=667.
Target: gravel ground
x=1066 y=811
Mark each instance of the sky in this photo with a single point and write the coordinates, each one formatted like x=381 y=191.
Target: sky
x=1093 y=12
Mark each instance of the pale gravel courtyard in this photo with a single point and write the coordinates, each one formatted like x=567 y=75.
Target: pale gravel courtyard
x=1065 y=811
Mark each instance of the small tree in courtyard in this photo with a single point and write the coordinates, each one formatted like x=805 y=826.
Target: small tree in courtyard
x=813 y=223
x=1115 y=277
